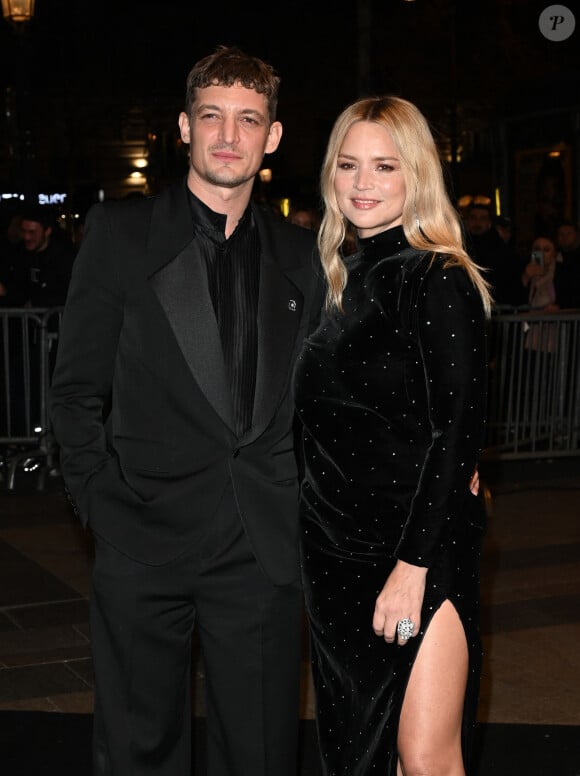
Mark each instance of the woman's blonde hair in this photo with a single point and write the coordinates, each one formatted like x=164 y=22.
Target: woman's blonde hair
x=430 y=221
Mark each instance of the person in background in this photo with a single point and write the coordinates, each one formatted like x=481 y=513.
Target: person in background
x=568 y=241
x=539 y=275
x=391 y=399
x=543 y=289
x=172 y=405
x=307 y=217
x=42 y=264
x=492 y=254
x=547 y=282
x=37 y=275
x=568 y=264
x=504 y=227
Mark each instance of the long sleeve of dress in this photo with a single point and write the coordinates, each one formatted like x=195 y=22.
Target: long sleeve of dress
x=450 y=326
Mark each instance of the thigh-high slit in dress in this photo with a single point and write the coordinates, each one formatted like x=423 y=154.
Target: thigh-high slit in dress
x=390 y=395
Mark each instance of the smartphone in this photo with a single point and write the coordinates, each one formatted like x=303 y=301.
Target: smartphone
x=538 y=257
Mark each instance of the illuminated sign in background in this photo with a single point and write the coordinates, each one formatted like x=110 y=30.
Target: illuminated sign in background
x=54 y=198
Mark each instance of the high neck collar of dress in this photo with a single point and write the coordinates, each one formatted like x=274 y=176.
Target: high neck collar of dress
x=389 y=241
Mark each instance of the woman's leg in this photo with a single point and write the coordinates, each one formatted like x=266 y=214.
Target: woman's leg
x=429 y=740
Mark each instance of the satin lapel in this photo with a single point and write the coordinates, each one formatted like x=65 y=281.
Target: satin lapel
x=279 y=313
x=181 y=287
x=171 y=227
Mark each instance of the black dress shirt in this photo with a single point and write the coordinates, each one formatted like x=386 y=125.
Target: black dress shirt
x=233 y=273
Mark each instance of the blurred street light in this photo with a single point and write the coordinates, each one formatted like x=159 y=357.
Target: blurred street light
x=18 y=12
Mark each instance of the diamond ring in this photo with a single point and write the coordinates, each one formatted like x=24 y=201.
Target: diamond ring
x=405 y=628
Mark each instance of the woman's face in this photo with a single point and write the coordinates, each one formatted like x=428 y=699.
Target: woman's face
x=369 y=184
x=548 y=250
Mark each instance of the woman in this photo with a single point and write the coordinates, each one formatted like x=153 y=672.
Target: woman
x=390 y=393
x=538 y=277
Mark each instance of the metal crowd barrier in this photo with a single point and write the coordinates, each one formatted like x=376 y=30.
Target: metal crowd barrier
x=28 y=339
x=534 y=388
x=534 y=385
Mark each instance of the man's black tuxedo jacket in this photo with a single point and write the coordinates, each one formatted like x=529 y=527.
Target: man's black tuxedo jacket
x=140 y=404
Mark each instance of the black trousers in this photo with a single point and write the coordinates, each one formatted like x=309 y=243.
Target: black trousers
x=142 y=620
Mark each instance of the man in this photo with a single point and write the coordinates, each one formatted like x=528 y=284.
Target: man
x=172 y=404
x=568 y=267
x=504 y=227
x=568 y=240
x=42 y=263
x=490 y=252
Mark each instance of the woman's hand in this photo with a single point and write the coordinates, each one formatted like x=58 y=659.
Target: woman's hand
x=400 y=599
x=532 y=270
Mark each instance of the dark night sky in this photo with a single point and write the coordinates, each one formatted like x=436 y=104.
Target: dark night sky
x=143 y=49
x=99 y=59
x=147 y=47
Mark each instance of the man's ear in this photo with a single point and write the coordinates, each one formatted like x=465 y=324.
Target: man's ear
x=184 y=127
x=274 y=137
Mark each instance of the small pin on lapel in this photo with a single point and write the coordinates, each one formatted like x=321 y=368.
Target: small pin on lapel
x=292 y=305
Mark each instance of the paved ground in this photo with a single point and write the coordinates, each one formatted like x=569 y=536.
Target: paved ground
x=531 y=599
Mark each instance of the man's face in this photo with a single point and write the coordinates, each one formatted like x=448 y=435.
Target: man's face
x=228 y=132
x=567 y=237
x=35 y=237
x=478 y=221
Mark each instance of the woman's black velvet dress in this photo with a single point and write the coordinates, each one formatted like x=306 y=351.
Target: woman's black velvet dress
x=391 y=396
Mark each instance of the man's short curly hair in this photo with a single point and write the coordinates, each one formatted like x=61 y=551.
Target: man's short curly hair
x=229 y=65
